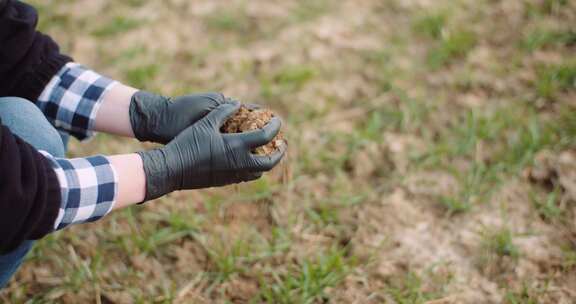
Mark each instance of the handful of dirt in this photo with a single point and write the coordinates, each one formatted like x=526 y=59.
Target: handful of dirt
x=247 y=119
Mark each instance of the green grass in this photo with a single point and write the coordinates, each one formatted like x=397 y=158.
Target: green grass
x=309 y=10
x=257 y=191
x=452 y=46
x=306 y=283
x=128 y=55
x=455 y=205
x=117 y=26
x=235 y=258
x=141 y=76
x=53 y=21
x=526 y=294
x=410 y=289
x=539 y=39
x=565 y=126
x=236 y=23
x=555 y=79
x=551 y=6
x=522 y=144
x=153 y=241
x=569 y=257
x=476 y=186
x=480 y=127
x=431 y=25
x=545 y=8
x=510 y=142
x=408 y=115
x=294 y=76
x=377 y=122
x=501 y=243
x=522 y=297
x=229 y=21
x=323 y=214
x=547 y=206
x=287 y=79
x=228 y=261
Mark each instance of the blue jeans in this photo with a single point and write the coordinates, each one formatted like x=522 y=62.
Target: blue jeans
x=26 y=121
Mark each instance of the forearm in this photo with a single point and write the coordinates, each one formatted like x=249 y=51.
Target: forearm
x=113 y=115
x=93 y=186
x=79 y=101
x=131 y=179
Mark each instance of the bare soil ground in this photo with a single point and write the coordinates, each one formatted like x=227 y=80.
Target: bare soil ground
x=432 y=154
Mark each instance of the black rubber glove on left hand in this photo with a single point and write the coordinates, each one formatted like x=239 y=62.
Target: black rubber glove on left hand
x=159 y=119
x=201 y=156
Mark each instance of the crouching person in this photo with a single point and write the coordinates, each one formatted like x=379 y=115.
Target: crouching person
x=45 y=97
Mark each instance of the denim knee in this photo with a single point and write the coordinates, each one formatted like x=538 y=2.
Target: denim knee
x=26 y=121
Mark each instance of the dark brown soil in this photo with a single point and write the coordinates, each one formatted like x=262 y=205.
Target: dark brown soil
x=252 y=119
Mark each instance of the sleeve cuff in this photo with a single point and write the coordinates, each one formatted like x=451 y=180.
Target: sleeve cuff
x=89 y=187
x=72 y=98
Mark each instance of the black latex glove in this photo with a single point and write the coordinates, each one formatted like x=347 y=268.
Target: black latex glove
x=201 y=156
x=159 y=119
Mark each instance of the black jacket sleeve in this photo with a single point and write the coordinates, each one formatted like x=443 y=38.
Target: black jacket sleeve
x=28 y=58
x=29 y=192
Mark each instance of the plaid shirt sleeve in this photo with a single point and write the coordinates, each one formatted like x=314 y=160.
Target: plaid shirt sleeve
x=89 y=187
x=71 y=99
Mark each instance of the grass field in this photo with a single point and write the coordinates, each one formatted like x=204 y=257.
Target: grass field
x=432 y=154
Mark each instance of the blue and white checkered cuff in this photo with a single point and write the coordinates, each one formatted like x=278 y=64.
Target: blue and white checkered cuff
x=89 y=187
x=71 y=99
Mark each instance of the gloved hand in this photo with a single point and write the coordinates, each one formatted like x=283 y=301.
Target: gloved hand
x=201 y=156
x=159 y=119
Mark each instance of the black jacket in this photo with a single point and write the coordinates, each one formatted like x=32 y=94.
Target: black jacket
x=29 y=189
